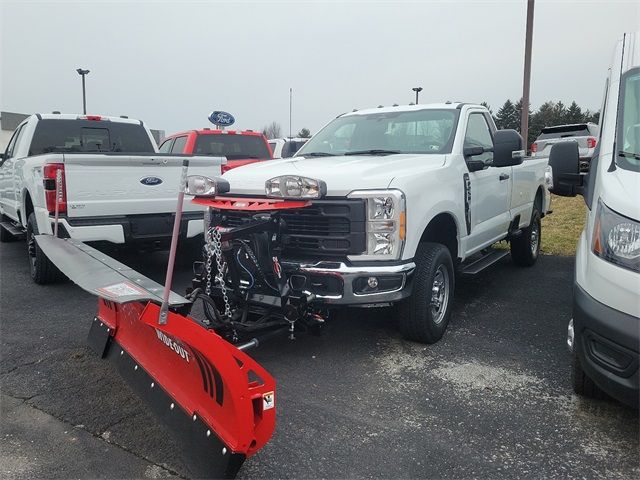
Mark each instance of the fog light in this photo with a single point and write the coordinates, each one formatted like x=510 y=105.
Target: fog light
x=372 y=282
x=570 y=335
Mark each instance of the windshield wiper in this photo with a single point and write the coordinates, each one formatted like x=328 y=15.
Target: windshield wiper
x=373 y=151
x=316 y=154
x=622 y=153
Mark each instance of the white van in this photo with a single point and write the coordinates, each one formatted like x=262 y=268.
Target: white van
x=604 y=334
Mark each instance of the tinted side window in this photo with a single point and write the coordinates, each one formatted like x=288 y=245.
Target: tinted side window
x=166 y=146
x=179 y=144
x=478 y=135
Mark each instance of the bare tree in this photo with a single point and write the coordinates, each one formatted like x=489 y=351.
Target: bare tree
x=272 y=130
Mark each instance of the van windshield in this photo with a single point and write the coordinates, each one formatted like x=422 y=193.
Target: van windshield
x=628 y=135
x=428 y=131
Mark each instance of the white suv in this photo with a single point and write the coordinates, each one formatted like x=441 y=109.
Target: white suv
x=604 y=334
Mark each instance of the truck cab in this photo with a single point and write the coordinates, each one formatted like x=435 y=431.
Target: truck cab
x=238 y=147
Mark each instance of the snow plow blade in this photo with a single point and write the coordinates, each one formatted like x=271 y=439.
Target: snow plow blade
x=217 y=401
x=100 y=274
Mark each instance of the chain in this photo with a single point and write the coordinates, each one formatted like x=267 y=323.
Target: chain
x=214 y=248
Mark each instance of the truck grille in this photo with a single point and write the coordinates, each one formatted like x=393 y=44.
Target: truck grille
x=326 y=228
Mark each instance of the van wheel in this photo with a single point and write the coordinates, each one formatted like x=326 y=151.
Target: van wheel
x=424 y=316
x=526 y=248
x=582 y=384
x=43 y=271
x=5 y=236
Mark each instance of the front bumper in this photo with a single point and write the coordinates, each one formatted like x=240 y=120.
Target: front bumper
x=336 y=283
x=607 y=344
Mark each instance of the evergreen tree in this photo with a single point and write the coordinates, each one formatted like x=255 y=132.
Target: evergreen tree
x=559 y=114
x=574 y=114
x=507 y=116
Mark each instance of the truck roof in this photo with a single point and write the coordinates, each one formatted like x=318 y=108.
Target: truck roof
x=411 y=108
x=80 y=116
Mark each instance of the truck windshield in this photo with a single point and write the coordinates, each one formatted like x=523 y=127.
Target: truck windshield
x=628 y=136
x=52 y=135
x=232 y=146
x=428 y=131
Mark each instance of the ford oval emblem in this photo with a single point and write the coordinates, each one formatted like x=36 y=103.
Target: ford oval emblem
x=151 y=181
x=223 y=119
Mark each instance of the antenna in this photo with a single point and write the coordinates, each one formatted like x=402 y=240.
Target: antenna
x=290 y=110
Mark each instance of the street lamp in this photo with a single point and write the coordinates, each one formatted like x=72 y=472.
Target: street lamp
x=82 y=73
x=417 y=90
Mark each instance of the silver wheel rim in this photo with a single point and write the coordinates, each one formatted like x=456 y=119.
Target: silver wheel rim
x=31 y=250
x=439 y=294
x=535 y=238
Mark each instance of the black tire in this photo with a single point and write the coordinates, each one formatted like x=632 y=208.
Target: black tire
x=525 y=248
x=43 y=271
x=582 y=384
x=5 y=236
x=419 y=318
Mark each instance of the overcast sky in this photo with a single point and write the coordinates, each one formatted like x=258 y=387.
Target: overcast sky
x=171 y=63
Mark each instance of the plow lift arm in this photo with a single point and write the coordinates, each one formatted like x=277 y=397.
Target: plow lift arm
x=218 y=402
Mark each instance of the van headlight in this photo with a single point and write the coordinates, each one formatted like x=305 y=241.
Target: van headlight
x=616 y=239
x=385 y=224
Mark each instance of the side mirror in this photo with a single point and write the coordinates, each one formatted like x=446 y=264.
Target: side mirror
x=2 y=157
x=472 y=151
x=507 y=148
x=476 y=165
x=564 y=161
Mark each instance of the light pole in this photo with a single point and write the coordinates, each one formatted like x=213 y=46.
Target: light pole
x=417 y=90
x=82 y=73
x=524 y=118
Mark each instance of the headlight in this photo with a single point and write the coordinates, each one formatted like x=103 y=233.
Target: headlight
x=385 y=227
x=616 y=238
x=202 y=186
x=292 y=186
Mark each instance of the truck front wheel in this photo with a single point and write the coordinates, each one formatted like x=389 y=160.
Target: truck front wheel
x=424 y=316
x=43 y=271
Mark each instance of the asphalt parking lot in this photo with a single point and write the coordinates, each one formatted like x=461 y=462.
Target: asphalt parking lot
x=491 y=400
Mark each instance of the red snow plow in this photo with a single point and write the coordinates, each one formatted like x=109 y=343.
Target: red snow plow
x=193 y=373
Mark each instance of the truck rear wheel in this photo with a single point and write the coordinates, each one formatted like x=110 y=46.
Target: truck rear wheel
x=526 y=248
x=5 y=236
x=43 y=271
x=424 y=316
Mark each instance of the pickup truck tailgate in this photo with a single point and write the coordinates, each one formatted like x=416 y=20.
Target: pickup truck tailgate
x=101 y=185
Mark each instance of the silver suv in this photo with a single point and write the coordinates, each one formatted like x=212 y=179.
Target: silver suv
x=586 y=134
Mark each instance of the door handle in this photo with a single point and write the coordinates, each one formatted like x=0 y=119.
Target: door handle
x=503 y=176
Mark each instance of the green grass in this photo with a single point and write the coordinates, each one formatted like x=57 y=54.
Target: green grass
x=561 y=229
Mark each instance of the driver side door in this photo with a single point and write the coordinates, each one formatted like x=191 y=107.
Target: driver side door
x=490 y=188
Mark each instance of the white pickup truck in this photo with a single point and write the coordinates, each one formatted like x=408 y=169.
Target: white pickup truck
x=116 y=187
x=403 y=198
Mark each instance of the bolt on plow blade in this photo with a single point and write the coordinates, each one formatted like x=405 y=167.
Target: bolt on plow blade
x=217 y=401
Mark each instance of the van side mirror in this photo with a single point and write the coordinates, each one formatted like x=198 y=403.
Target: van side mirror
x=564 y=160
x=507 y=148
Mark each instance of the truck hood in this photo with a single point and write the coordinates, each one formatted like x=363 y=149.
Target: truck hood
x=342 y=174
x=620 y=193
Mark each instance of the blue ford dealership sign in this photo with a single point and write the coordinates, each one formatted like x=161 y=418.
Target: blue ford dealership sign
x=222 y=119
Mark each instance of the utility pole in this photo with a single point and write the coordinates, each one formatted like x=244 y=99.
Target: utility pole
x=82 y=73
x=524 y=119
x=417 y=90
x=290 y=110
